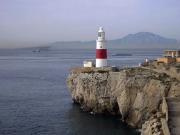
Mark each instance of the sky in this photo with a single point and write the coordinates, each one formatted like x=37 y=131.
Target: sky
x=34 y=22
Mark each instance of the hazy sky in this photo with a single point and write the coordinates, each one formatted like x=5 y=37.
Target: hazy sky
x=40 y=21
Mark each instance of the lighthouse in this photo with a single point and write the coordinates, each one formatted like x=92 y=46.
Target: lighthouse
x=101 y=52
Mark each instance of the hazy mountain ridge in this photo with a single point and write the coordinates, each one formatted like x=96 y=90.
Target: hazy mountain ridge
x=137 y=40
x=145 y=37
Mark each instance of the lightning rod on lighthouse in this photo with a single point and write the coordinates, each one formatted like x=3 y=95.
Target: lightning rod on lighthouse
x=101 y=52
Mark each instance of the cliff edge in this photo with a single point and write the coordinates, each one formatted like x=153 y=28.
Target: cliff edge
x=134 y=93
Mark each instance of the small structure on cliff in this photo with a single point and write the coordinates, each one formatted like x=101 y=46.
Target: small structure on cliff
x=170 y=56
x=101 y=52
x=88 y=63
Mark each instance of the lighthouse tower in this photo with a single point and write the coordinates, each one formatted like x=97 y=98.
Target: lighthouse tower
x=101 y=52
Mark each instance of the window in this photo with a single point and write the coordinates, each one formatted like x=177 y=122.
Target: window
x=99 y=34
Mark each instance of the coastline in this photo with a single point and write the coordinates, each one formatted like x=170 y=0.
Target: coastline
x=134 y=93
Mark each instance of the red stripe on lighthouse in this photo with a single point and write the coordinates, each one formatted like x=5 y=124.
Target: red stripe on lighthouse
x=101 y=54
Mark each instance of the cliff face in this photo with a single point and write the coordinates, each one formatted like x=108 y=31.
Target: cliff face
x=135 y=93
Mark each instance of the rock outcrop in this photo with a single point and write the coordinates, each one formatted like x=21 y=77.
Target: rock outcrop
x=134 y=93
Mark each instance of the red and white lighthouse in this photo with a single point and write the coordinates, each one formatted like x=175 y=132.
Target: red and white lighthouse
x=101 y=52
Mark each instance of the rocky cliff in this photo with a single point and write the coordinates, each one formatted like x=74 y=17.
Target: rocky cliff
x=134 y=93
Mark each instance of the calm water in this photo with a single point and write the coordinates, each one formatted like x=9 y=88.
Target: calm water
x=34 y=99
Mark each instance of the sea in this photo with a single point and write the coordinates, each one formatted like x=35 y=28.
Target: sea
x=34 y=98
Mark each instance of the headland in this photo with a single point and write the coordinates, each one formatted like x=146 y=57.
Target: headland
x=141 y=95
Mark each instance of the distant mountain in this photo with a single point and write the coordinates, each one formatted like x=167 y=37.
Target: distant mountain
x=138 y=40
x=145 y=40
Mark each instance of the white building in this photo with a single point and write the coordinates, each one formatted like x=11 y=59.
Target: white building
x=88 y=63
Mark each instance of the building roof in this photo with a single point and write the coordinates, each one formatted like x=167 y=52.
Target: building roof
x=171 y=50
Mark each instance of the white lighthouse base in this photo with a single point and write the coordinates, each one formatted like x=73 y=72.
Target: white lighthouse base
x=101 y=62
